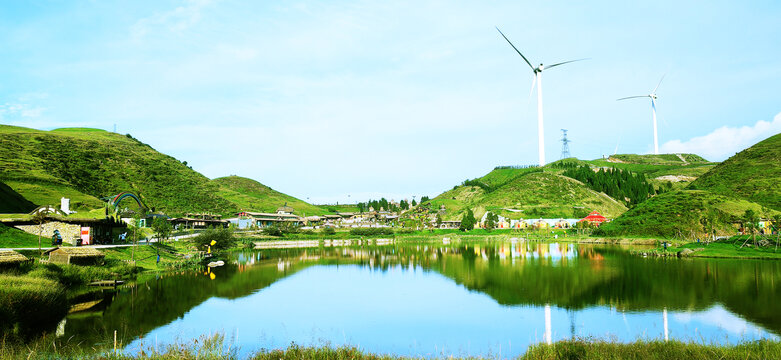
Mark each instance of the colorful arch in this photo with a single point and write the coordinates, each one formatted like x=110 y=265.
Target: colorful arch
x=121 y=196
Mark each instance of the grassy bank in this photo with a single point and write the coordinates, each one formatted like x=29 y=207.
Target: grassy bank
x=728 y=249
x=31 y=300
x=214 y=348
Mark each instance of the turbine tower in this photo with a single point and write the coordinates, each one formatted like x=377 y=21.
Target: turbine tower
x=538 y=81
x=564 y=145
x=652 y=95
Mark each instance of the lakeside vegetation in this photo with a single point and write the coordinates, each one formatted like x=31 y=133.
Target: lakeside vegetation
x=215 y=347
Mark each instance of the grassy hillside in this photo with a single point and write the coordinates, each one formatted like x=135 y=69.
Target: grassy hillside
x=527 y=193
x=12 y=202
x=660 y=169
x=12 y=237
x=251 y=195
x=753 y=174
x=679 y=214
x=86 y=164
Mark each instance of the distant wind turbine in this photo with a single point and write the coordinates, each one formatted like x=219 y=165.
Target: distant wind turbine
x=652 y=95
x=538 y=81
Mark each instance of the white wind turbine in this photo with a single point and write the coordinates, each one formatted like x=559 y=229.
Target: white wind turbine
x=652 y=95
x=538 y=81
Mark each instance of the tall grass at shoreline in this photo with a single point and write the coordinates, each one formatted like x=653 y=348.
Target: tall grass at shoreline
x=214 y=347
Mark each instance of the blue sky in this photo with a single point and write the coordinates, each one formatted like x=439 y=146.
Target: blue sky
x=367 y=99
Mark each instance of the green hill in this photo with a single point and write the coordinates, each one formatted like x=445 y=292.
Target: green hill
x=526 y=193
x=251 y=195
x=87 y=164
x=12 y=202
x=679 y=214
x=753 y=174
x=674 y=171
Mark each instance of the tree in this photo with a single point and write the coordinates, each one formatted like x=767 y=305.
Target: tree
x=439 y=221
x=424 y=199
x=162 y=228
x=750 y=223
x=40 y=218
x=490 y=221
x=414 y=203
x=708 y=222
x=777 y=227
x=468 y=221
x=218 y=239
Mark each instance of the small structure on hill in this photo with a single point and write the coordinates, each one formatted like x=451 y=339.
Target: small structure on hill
x=10 y=258
x=594 y=218
x=285 y=210
x=75 y=255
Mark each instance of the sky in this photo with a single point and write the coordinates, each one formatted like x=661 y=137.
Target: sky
x=342 y=101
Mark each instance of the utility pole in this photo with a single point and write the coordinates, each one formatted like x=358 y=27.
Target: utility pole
x=564 y=145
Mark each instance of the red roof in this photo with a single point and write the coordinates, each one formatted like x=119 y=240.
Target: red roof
x=594 y=216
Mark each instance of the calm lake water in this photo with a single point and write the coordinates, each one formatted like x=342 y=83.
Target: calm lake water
x=434 y=299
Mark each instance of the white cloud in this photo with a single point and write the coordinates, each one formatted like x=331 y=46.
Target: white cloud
x=176 y=20
x=12 y=111
x=725 y=141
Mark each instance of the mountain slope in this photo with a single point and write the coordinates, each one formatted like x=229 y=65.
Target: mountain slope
x=87 y=164
x=753 y=174
x=526 y=193
x=251 y=195
x=679 y=214
x=12 y=202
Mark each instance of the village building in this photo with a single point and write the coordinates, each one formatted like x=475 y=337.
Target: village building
x=199 y=221
x=454 y=224
x=10 y=258
x=594 y=218
x=75 y=255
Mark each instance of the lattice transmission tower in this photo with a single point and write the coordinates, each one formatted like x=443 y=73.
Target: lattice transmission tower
x=564 y=144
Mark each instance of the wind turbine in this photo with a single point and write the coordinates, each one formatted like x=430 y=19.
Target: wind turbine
x=652 y=95
x=537 y=81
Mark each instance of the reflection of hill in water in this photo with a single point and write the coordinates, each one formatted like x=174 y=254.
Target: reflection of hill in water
x=569 y=276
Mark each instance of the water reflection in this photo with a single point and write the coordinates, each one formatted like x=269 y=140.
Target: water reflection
x=410 y=299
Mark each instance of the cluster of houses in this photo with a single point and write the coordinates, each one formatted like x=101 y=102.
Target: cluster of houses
x=593 y=219
x=285 y=216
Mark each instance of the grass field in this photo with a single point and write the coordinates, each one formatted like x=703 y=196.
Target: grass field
x=15 y=238
x=251 y=195
x=753 y=174
x=728 y=249
x=530 y=193
x=679 y=214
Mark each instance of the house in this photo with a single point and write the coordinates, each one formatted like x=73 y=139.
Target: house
x=594 y=218
x=199 y=221
x=75 y=255
x=285 y=210
x=455 y=224
x=262 y=220
x=10 y=258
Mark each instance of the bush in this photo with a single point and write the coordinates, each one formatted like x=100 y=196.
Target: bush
x=223 y=239
x=328 y=231
x=371 y=231
x=273 y=231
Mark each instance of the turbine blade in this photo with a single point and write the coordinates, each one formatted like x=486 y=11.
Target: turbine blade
x=516 y=49
x=660 y=83
x=566 y=62
x=632 y=97
x=534 y=82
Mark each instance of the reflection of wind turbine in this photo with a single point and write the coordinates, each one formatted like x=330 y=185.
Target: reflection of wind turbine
x=538 y=81
x=652 y=95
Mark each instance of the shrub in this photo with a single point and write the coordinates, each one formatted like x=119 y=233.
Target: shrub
x=328 y=231
x=223 y=239
x=371 y=231
x=273 y=231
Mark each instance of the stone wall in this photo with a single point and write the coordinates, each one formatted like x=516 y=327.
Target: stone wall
x=69 y=232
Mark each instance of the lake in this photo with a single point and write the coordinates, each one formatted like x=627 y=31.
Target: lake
x=434 y=299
